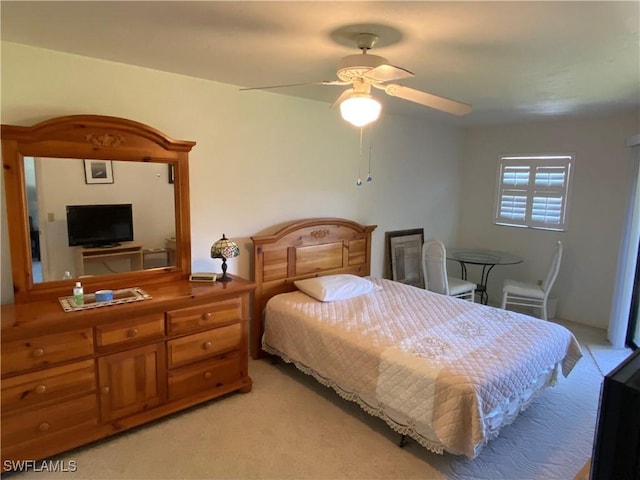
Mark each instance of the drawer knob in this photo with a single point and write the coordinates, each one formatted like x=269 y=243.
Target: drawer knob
x=41 y=389
x=38 y=352
x=206 y=316
x=43 y=427
x=208 y=375
x=206 y=345
x=132 y=332
x=105 y=389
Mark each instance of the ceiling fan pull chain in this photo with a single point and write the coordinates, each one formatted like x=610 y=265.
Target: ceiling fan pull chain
x=369 y=177
x=359 y=181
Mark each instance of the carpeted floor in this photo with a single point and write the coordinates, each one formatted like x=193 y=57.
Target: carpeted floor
x=291 y=427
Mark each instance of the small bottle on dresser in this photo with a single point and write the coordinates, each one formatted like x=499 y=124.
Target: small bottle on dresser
x=78 y=294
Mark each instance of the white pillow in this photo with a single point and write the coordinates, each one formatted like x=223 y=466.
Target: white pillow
x=331 y=288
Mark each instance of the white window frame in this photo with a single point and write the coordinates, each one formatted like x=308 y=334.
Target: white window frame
x=514 y=202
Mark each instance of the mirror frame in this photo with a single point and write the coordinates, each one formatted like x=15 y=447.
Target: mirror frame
x=90 y=137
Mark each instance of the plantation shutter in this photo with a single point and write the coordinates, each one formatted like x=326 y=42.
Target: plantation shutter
x=513 y=197
x=533 y=191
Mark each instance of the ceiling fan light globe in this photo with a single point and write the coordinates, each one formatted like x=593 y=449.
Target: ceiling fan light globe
x=360 y=110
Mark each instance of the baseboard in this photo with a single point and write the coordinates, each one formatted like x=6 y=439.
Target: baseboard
x=584 y=472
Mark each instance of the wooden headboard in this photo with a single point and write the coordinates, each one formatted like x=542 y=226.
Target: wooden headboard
x=303 y=249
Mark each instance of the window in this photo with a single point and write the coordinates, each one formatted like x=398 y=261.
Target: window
x=532 y=191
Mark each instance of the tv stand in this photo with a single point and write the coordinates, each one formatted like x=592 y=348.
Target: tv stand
x=127 y=250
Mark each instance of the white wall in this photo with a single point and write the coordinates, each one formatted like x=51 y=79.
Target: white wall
x=597 y=203
x=261 y=158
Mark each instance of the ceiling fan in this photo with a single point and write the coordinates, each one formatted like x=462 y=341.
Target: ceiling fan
x=363 y=71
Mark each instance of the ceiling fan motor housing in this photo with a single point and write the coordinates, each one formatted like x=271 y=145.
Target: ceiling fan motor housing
x=355 y=66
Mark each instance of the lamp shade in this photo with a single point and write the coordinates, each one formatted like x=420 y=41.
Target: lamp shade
x=360 y=109
x=224 y=248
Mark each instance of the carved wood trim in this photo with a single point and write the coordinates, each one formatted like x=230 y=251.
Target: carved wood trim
x=105 y=140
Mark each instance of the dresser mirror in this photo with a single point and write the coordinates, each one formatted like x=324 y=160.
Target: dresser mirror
x=99 y=199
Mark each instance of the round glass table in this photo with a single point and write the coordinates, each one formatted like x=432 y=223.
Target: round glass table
x=486 y=258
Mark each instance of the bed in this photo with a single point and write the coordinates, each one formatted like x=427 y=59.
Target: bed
x=446 y=372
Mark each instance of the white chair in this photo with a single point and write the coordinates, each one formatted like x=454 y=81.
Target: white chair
x=529 y=294
x=434 y=268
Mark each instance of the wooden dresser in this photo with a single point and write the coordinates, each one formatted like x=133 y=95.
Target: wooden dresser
x=69 y=378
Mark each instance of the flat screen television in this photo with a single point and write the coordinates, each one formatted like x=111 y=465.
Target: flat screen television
x=616 y=449
x=99 y=225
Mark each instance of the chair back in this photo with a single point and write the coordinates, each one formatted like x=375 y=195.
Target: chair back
x=434 y=267
x=553 y=268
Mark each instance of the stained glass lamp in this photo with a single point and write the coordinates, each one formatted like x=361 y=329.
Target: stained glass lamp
x=224 y=248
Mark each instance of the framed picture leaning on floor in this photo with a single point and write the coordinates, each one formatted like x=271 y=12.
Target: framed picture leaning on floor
x=405 y=256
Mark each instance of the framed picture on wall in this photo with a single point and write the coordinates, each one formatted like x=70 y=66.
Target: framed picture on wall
x=405 y=256
x=98 y=171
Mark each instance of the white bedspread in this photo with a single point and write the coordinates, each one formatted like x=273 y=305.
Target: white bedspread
x=447 y=372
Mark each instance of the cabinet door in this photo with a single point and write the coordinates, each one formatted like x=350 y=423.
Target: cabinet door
x=132 y=381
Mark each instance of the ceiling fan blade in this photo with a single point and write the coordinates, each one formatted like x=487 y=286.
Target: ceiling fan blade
x=387 y=73
x=333 y=82
x=428 y=99
x=324 y=82
x=276 y=86
x=343 y=96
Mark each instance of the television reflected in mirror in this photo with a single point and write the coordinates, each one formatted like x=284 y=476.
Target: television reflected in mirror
x=99 y=226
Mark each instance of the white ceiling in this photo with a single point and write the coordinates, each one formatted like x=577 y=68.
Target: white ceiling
x=511 y=60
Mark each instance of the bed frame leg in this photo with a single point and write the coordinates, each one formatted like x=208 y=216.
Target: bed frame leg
x=403 y=441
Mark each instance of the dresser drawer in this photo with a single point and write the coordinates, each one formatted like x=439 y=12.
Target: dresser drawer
x=202 y=345
x=204 y=376
x=35 y=424
x=146 y=327
x=46 y=350
x=48 y=385
x=209 y=315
